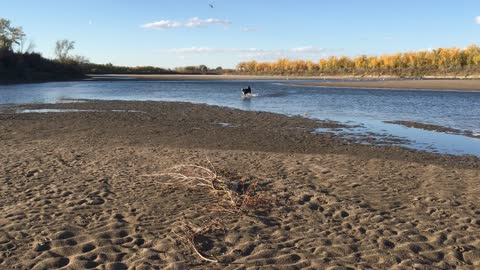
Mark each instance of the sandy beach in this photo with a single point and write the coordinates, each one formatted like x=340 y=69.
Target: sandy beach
x=447 y=84
x=156 y=185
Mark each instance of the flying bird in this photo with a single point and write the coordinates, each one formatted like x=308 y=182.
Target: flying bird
x=211 y=5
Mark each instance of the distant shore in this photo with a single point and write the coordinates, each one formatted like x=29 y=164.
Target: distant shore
x=365 y=82
x=221 y=77
x=200 y=77
x=431 y=82
x=436 y=84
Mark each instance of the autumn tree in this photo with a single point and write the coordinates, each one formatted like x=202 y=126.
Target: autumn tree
x=472 y=55
x=415 y=63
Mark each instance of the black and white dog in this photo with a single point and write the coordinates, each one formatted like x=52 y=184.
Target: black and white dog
x=247 y=90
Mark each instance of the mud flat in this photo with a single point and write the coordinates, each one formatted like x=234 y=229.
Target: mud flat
x=110 y=187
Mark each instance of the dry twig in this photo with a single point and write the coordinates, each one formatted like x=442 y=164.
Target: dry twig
x=189 y=233
x=235 y=196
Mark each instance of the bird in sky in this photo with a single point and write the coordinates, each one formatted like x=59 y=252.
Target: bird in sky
x=211 y=5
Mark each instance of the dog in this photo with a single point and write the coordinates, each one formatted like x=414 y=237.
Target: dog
x=247 y=90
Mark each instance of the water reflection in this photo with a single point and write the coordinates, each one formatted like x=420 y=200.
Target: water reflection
x=246 y=104
x=425 y=140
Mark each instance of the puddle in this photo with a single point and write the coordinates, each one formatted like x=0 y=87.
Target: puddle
x=380 y=133
x=72 y=110
x=361 y=135
x=224 y=124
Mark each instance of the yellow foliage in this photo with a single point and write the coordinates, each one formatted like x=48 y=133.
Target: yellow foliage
x=441 y=59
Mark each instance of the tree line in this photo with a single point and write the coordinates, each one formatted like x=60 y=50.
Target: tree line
x=20 y=63
x=109 y=68
x=441 y=61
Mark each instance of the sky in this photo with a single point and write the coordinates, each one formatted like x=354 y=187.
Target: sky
x=173 y=33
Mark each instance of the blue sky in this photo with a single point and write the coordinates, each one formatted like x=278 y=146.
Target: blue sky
x=170 y=33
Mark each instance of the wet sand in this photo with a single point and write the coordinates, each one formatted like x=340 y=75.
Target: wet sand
x=465 y=85
x=85 y=190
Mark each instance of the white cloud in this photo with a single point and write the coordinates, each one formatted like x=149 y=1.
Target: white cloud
x=190 y=23
x=191 y=50
x=163 y=24
x=306 y=53
x=249 y=29
x=264 y=56
x=197 y=22
x=477 y=20
x=308 y=49
x=202 y=50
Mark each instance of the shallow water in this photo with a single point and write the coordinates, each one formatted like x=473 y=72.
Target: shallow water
x=365 y=107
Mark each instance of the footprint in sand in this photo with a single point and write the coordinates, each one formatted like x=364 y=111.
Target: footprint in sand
x=112 y=243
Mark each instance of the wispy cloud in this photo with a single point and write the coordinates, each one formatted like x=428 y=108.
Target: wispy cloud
x=163 y=24
x=249 y=29
x=307 y=52
x=190 y=23
x=477 y=20
x=203 y=50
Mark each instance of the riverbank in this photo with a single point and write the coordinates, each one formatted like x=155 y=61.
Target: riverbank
x=433 y=84
x=25 y=67
x=91 y=188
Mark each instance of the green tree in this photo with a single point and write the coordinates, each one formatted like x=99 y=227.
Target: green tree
x=203 y=68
